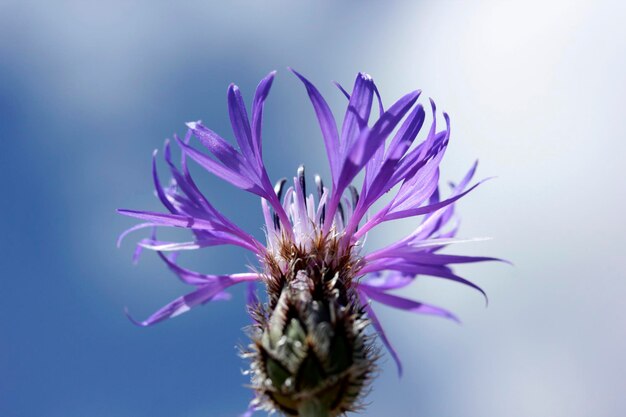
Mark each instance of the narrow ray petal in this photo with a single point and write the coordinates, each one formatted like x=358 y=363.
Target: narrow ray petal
x=406 y=304
x=327 y=124
x=379 y=329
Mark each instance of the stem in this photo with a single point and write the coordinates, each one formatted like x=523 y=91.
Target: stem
x=312 y=408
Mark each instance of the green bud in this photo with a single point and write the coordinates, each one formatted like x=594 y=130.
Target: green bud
x=310 y=354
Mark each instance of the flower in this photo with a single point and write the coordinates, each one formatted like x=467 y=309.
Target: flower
x=309 y=346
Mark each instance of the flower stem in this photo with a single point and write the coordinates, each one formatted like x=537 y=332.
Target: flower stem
x=312 y=408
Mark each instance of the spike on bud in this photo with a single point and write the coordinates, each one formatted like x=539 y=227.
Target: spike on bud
x=309 y=350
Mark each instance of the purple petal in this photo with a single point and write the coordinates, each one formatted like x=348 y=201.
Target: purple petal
x=379 y=329
x=196 y=278
x=327 y=124
x=358 y=111
x=223 y=150
x=372 y=169
x=410 y=245
x=380 y=184
x=343 y=90
x=391 y=280
x=381 y=108
x=158 y=187
x=203 y=294
x=260 y=95
x=362 y=151
x=195 y=224
x=384 y=214
x=185 y=182
x=202 y=207
x=230 y=174
x=406 y=135
x=180 y=305
x=411 y=268
x=173 y=220
x=365 y=146
x=222 y=296
x=139 y=249
x=188 y=276
x=126 y=232
x=427 y=258
x=211 y=240
x=438 y=219
x=467 y=178
x=429 y=208
x=406 y=304
x=418 y=189
x=240 y=123
x=416 y=158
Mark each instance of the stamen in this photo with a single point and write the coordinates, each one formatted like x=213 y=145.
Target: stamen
x=302 y=181
x=320 y=185
x=276 y=222
x=320 y=192
x=341 y=213
x=355 y=199
x=355 y=195
x=278 y=189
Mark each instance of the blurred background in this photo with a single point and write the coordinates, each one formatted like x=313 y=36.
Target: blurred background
x=535 y=91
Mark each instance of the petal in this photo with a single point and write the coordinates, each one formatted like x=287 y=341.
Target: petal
x=365 y=147
x=204 y=208
x=158 y=187
x=381 y=108
x=429 y=208
x=184 y=180
x=416 y=158
x=213 y=240
x=232 y=174
x=196 y=278
x=370 y=140
x=390 y=280
x=126 y=232
x=172 y=220
x=414 y=192
x=260 y=95
x=240 y=123
x=428 y=258
x=327 y=124
x=379 y=329
x=379 y=184
x=358 y=111
x=139 y=248
x=401 y=248
x=406 y=304
x=343 y=90
x=187 y=276
x=179 y=306
x=222 y=150
x=204 y=294
x=411 y=268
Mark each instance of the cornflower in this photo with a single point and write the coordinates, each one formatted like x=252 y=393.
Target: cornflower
x=310 y=353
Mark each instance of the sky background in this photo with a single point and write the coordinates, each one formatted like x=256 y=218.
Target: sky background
x=535 y=91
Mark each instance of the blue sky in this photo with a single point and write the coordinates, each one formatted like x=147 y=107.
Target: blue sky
x=88 y=90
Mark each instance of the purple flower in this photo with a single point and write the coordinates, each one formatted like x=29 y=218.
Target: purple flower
x=326 y=228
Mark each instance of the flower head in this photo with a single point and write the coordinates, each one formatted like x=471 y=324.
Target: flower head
x=309 y=347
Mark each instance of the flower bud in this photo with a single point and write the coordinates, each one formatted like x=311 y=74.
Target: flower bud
x=310 y=345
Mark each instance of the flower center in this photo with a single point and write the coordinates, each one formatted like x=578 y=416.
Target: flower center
x=310 y=249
